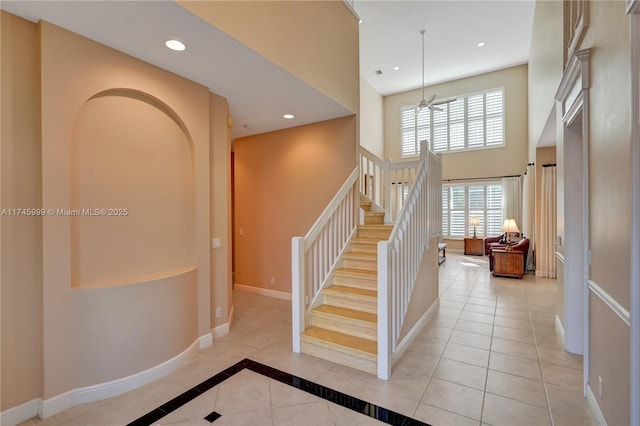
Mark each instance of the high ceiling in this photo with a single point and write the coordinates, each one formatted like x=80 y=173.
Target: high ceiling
x=390 y=37
x=259 y=92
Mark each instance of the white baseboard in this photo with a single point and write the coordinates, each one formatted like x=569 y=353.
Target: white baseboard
x=406 y=342
x=21 y=413
x=263 y=291
x=206 y=340
x=49 y=407
x=220 y=330
x=592 y=402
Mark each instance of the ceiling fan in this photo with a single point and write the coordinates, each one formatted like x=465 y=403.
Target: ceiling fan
x=424 y=103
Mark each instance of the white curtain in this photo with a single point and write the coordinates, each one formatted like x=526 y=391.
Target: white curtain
x=546 y=251
x=528 y=212
x=512 y=199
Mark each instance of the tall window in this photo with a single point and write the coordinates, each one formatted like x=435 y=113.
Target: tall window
x=468 y=122
x=461 y=201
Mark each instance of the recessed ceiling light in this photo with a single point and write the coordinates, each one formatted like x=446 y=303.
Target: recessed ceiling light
x=288 y=116
x=175 y=45
x=396 y=68
x=480 y=44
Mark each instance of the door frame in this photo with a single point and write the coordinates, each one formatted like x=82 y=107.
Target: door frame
x=573 y=104
x=633 y=9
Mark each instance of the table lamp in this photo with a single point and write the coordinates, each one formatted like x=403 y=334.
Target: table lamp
x=508 y=227
x=474 y=222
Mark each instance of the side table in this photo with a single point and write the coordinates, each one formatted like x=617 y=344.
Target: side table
x=474 y=246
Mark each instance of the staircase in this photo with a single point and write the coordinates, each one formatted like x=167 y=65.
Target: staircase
x=344 y=328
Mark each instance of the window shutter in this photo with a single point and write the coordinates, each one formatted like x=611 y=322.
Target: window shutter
x=460 y=202
x=445 y=210
x=494 y=118
x=424 y=127
x=408 y=132
x=475 y=118
x=456 y=124
x=457 y=222
x=494 y=209
x=440 y=131
x=468 y=122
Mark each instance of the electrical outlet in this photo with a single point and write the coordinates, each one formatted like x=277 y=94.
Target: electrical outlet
x=600 y=390
x=218 y=312
x=273 y=280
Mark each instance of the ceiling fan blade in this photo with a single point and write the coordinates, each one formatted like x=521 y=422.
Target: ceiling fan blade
x=435 y=108
x=431 y=99
x=444 y=102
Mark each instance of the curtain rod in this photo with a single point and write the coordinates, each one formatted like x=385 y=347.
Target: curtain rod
x=480 y=178
x=549 y=165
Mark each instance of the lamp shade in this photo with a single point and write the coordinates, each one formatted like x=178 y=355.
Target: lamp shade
x=510 y=225
x=474 y=221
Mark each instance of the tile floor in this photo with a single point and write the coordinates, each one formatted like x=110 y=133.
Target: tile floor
x=490 y=355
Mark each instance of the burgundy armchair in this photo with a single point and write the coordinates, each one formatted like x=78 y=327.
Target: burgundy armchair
x=490 y=240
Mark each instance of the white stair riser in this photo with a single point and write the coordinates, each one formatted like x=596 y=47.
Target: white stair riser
x=381 y=234
x=333 y=354
x=355 y=281
x=363 y=248
x=368 y=264
x=373 y=219
x=362 y=303
x=345 y=325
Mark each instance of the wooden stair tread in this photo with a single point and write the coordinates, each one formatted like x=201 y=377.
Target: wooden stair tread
x=354 y=271
x=352 y=290
x=374 y=213
x=347 y=313
x=340 y=339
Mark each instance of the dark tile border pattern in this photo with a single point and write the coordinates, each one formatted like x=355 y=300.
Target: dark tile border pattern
x=339 y=398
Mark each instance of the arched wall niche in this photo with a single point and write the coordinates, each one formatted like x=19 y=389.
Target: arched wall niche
x=132 y=208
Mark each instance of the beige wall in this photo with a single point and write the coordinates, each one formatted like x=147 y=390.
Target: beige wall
x=371 y=119
x=545 y=67
x=283 y=182
x=609 y=196
x=610 y=147
x=21 y=331
x=220 y=206
x=93 y=98
x=425 y=291
x=316 y=41
x=609 y=132
x=510 y=160
x=90 y=333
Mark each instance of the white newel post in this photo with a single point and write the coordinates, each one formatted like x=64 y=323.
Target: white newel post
x=384 y=321
x=387 y=191
x=297 y=291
